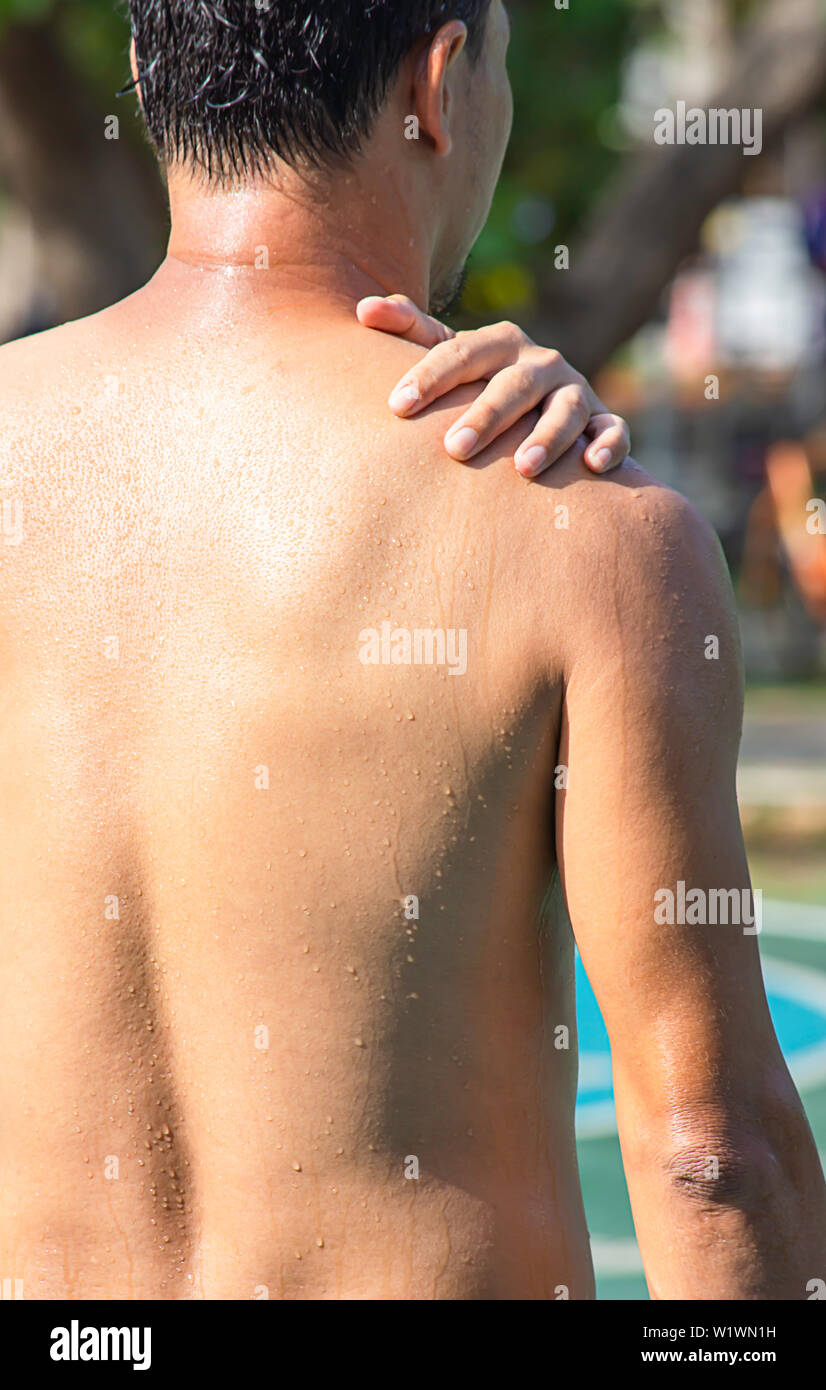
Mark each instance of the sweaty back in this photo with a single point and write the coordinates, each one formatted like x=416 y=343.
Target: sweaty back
x=277 y=744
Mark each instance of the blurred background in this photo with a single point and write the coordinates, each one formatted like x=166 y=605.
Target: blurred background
x=688 y=280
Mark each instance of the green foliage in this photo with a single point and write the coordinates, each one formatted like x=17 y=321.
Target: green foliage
x=32 y=10
x=565 y=68
x=96 y=37
x=94 y=34
x=96 y=29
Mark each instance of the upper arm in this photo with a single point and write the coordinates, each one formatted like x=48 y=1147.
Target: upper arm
x=651 y=727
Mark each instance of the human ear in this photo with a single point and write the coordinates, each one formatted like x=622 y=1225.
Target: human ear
x=433 y=85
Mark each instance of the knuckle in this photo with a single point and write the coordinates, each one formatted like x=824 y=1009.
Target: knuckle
x=423 y=377
x=514 y=333
x=537 y=359
x=578 y=397
x=433 y=366
x=523 y=377
x=461 y=348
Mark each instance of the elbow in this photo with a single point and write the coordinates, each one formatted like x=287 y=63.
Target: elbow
x=750 y=1165
x=723 y=1171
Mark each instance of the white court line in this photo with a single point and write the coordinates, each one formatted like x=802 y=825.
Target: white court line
x=616 y=1257
x=801 y=920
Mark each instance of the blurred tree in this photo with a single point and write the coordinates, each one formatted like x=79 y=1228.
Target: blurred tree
x=630 y=232
x=83 y=186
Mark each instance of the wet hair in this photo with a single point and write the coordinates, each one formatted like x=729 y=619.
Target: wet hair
x=230 y=85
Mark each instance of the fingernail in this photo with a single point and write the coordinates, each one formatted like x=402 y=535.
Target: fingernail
x=404 y=398
x=462 y=442
x=601 y=460
x=530 y=462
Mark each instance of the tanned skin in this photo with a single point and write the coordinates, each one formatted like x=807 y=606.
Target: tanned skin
x=233 y=1062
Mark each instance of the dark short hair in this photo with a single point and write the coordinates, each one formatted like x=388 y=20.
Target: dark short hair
x=228 y=85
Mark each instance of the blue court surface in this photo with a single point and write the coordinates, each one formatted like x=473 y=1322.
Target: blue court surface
x=793 y=950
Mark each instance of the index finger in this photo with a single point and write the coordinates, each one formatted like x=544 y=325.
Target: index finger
x=467 y=357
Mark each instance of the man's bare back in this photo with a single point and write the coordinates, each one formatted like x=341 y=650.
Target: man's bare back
x=298 y=718
x=242 y=1058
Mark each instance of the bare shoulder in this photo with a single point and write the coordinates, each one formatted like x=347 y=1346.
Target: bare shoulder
x=42 y=370
x=650 y=548
x=630 y=519
x=23 y=361
x=569 y=520
x=582 y=553
x=616 y=571
x=52 y=386
x=645 y=598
